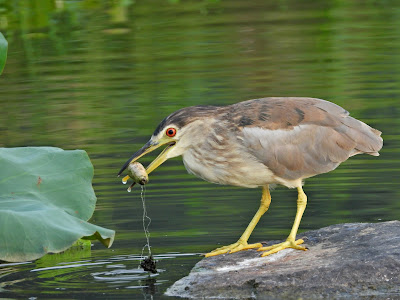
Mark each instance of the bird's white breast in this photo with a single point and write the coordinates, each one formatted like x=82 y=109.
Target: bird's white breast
x=229 y=168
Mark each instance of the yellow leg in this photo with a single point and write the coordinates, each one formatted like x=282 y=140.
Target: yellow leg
x=290 y=241
x=241 y=244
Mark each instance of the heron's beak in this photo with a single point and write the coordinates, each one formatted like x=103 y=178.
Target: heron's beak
x=147 y=148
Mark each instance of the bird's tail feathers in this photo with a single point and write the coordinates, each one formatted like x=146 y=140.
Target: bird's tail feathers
x=368 y=140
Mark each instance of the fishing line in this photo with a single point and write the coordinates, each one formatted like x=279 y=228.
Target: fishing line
x=145 y=226
x=146 y=263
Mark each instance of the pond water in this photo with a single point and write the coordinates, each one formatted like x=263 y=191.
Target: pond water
x=101 y=75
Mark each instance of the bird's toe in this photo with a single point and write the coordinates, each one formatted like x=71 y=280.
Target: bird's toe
x=235 y=247
x=278 y=247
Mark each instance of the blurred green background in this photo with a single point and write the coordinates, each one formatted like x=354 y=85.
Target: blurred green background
x=100 y=75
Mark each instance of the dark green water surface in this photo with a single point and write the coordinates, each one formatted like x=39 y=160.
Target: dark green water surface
x=100 y=75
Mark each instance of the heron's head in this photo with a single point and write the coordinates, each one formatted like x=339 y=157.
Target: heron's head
x=177 y=132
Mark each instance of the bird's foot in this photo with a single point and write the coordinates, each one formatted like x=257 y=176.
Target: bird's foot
x=278 y=247
x=235 y=247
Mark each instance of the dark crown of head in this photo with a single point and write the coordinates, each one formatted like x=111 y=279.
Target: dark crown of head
x=184 y=116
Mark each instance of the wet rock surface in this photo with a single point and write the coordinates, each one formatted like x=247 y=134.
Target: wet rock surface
x=343 y=261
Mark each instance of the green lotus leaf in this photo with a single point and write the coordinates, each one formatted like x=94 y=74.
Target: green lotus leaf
x=3 y=52
x=46 y=197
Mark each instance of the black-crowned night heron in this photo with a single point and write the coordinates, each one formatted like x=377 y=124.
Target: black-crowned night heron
x=260 y=142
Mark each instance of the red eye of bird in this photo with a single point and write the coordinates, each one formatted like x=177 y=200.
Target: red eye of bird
x=170 y=132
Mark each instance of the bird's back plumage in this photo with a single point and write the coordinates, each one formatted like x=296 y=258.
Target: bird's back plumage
x=297 y=138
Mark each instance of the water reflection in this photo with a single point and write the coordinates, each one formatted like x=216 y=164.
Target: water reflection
x=120 y=272
x=100 y=76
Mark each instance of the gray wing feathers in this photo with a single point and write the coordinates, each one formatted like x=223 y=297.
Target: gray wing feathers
x=366 y=138
x=300 y=153
x=324 y=138
x=330 y=107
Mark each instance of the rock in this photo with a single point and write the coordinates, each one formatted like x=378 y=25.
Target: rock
x=346 y=260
